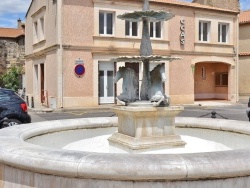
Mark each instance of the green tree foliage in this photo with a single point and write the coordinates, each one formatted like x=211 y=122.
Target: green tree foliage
x=11 y=79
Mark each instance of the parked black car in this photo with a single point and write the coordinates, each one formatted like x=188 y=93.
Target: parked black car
x=13 y=109
x=248 y=109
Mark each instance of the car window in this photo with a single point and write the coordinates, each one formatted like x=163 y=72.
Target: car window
x=4 y=97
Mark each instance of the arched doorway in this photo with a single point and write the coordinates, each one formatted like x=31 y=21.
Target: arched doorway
x=211 y=81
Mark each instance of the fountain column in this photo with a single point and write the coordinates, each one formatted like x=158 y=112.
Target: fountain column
x=145 y=50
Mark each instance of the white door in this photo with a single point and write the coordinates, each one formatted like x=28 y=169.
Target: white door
x=106 y=84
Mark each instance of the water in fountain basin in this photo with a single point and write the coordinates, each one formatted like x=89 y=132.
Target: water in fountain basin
x=100 y=144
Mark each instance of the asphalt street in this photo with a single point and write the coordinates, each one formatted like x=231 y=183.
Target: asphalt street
x=227 y=111
x=232 y=112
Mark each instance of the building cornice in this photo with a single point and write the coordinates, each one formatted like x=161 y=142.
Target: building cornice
x=214 y=44
x=124 y=51
x=195 y=53
x=39 y=11
x=133 y=51
x=103 y=50
x=131 y=39
x=39 y=43
x=194 y=6
x=171 y=3
x=244 y=54
x=42 y=52
x=244 y=23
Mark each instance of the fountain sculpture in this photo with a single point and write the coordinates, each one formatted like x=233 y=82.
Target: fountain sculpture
x=142 y=123
x=146 y=52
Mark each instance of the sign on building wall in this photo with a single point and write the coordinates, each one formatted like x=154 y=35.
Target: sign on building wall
x=182 y=29
x=79 y=61
x=79 y=68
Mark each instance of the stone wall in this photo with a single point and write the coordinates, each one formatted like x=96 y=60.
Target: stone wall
x=3 y=56
x=11 y=53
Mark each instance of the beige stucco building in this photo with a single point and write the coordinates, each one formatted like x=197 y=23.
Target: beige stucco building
x=244 y=54
x=63 y=34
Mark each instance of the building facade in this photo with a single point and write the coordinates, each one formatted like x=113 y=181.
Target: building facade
x=244 y=54
x=65 y=38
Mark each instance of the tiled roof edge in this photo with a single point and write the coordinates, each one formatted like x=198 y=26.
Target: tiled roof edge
x=196 y=5
x=244 y=54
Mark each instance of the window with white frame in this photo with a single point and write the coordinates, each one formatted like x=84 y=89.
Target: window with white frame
x=35 y=32
x=131 y=28
x=106 y=23
x=155 y=29
x=38 y=19
x=42 y=28
x=204 y=31
x=223 y=32
x=38 y=30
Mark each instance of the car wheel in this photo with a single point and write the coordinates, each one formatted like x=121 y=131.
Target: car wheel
x=11 y=122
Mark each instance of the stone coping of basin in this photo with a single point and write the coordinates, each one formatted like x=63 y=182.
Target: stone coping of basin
x=14 y=151
x=147 y=108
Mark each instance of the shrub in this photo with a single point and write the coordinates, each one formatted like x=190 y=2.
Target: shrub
x=12 y=78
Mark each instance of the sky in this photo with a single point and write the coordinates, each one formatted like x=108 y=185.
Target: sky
x=12 y=10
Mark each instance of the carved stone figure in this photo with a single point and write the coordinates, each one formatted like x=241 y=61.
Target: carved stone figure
x=130 y=85
x=156 y=92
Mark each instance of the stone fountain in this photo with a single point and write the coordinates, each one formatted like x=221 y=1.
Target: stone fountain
x=149 y=121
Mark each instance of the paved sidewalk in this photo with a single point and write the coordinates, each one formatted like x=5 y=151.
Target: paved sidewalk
x=233 y=111
x=213 y=103
x=43 y=109
x=104 y=108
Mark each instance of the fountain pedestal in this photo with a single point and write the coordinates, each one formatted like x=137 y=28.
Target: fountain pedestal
x=143 y=127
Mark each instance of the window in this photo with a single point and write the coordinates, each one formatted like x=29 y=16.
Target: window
x=204 y=29
x=131 y=28
x=221 y=79
x=38 y=30
x=106 y=23
x=4 y=97
x=35 y=32
x=155 y=29
x=203 y=73
x=42 y=28
x=223 y=32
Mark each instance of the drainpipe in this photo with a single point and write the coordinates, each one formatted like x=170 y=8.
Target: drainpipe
x=59 y=53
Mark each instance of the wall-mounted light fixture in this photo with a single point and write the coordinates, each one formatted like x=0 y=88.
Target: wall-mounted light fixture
x=193 y=68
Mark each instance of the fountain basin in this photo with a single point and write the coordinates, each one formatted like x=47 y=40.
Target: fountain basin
x=26 y=164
